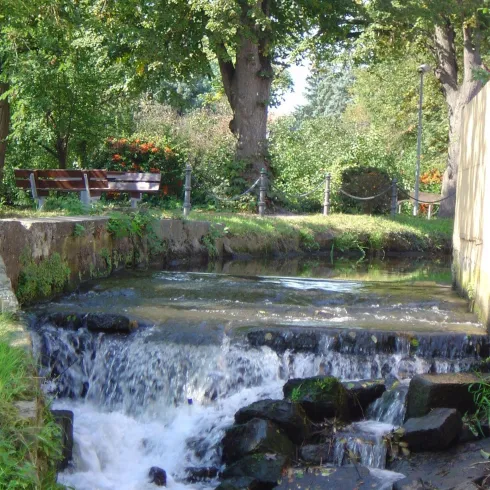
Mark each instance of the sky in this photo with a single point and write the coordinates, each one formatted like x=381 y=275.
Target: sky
x=296 y=98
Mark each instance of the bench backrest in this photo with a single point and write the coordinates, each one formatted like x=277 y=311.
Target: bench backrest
x=97 y=181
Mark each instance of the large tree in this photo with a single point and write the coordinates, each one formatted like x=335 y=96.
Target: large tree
x=453 y=34
x=66 y=82
x=246 y=37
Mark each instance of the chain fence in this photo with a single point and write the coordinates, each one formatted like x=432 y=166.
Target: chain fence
x=263 y=182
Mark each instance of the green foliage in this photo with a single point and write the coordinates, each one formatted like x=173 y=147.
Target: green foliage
x=481 y=397
x=78 y=230
x=28 y=449
x=68 y=89
x=327 y=92
x=43 y=279
x=132 y=225
x=69 y=204
x=365 y=182
x=356 y=233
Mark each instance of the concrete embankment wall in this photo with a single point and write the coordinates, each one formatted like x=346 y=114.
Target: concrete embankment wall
x=471 y=238
x=85 y=248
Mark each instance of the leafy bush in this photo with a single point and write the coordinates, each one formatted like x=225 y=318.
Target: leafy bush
x=365 y=182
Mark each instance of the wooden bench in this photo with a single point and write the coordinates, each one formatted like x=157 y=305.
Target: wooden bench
x=90 y=183
x=427 y=197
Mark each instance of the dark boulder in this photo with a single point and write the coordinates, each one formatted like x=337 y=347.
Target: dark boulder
x=199 y=474
x=64 y=418
x=428 y=391
x=317 y=453
x=287 y=415
x=241 y=483
x=321 y=397
x=255 y=436
x=434 y=431
x=158 y=476
x=282 y=340
x=361 y=394
x=266 y=468
x=104 y=322
x=70 y=321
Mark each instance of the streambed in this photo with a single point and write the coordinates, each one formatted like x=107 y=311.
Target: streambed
x=212 y=342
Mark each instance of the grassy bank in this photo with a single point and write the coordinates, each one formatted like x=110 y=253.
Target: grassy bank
x=29 y=446
x=351 y=233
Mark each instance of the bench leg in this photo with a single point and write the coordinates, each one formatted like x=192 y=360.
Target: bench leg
x=40 y=202
x=135 y=201
x=85 y=198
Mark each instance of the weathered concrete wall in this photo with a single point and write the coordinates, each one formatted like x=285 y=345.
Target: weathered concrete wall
x=471 y=238
x=8 y=300
x=87 y=247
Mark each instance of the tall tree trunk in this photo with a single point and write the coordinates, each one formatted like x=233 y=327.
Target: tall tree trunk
x=457 y=95
x=62 y=151
x=247 y=84
x=4 y=127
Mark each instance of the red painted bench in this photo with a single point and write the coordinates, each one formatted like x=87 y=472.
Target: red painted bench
x=90 y=183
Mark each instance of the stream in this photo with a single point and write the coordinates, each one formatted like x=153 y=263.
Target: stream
x=213 y=340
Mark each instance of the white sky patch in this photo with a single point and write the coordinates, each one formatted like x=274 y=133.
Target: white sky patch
x=299 y=73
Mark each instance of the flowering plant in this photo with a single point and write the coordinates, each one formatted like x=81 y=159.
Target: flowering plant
x=431 y=181
x=136 y=155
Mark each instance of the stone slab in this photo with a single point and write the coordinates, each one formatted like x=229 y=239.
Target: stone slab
x=336 y=478
x=458 y=465
x=428 y=391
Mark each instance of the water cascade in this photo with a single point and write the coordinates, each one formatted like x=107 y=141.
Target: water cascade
x=164 y=394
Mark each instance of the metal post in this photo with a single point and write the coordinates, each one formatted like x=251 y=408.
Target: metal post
x=422 y=70
x=262 y=192
x=394 y=197
x=187 y=190
x=326 y=200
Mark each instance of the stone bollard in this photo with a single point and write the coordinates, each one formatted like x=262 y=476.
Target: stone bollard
x=262 y=192
x=394 y=196
x=326 y=201
x=187 y=190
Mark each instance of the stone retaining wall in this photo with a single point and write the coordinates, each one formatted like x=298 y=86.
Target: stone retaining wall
x=86 y=246
x=471 y=238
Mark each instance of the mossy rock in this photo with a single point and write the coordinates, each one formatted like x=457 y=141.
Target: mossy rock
x=321 y=397
x=288 y=415
x=266 y=468
x=255 y=436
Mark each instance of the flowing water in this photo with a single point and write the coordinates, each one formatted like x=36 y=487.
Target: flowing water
x=212 y=342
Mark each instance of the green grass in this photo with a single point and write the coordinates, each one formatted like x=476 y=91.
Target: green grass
x=29 y=448
x=352 y=232
x=359 y=233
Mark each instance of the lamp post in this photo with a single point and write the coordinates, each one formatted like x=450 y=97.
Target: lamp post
x=422 y=69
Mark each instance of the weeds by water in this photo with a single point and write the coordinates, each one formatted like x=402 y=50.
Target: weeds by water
x=29 y=448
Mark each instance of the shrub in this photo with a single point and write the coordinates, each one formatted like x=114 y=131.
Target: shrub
x=365 y=182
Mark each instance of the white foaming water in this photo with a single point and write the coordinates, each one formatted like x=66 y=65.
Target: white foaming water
x=135 y=414
x=364 y=442
x=115 y=451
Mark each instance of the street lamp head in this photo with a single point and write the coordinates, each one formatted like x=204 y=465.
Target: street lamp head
x=423 y=68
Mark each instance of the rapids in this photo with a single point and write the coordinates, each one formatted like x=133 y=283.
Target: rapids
x=211 y=343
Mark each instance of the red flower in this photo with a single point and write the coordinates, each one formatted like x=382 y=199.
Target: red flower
x=116 y=157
